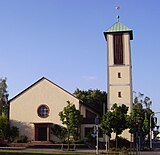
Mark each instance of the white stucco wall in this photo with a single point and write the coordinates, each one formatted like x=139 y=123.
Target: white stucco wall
x=124 y=99
x=125 y=75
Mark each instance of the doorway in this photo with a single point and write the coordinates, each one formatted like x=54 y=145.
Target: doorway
x=42 y=132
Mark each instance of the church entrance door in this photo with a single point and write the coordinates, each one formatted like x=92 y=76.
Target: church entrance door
x=42 y=131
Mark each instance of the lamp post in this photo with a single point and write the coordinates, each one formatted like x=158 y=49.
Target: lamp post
x=150 y=143
x=106 y=143
x=151 y=128
x=97 y=122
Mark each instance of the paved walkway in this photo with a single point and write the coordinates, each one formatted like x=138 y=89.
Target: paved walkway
x=149 y=153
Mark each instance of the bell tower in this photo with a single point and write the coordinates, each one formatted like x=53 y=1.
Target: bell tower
x=119 y=66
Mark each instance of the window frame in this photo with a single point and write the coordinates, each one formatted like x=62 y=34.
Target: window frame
x=43 y=111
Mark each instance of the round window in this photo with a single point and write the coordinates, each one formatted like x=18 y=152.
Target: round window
x=43 y=111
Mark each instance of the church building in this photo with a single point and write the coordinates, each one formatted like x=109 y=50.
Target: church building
x=36 y=110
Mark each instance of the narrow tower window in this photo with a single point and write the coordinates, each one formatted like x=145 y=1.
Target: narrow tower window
x=118 y=49
x=119 y=75
x=119 y=94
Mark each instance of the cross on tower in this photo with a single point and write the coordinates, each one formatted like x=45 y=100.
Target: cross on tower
x=117 y=8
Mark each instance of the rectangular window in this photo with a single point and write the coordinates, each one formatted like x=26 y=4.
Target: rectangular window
x=118 y=49
x=90 y=114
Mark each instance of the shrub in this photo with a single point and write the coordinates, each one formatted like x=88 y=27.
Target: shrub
x=4 y=127
x=22 y=139
x=1 y=135
x=122 y=142
x=13 y=133
x=59 y=131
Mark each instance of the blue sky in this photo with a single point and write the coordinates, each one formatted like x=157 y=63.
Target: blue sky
x=63 y=41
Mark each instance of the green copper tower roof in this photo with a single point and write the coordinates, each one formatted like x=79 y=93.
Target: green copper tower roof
x=119 y=28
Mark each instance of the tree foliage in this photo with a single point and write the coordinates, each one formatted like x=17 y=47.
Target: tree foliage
x=13 y=133
x=139 y=119
x=115 y=120
x=72 y=118
x=106 y=123
x=145 y=126
x=4 y=127
x=93 y=98
x=59 y=131
x=3 y=97
x=119 y=114
x=135 y=118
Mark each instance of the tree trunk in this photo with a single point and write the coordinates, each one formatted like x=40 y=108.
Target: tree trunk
x=68 y=140
x=116 y=141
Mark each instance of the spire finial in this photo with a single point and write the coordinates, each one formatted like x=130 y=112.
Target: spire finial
x=117 y=8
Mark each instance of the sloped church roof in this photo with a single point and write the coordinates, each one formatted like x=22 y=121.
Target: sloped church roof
x=43 y=78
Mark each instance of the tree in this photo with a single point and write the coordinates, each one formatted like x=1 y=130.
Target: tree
x=135 y=118
x=3 y=98
x=4 y=127
x=60 y=132
x=139 y=119
x=94 y=98
x=72 y=118
x=119 y=114
x=146 y=125
x=106 y=123
x=115 y=120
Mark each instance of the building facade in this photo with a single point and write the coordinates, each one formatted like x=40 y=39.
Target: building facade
x=36 y=110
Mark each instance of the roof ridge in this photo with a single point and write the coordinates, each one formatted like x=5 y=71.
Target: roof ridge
x=33 y=84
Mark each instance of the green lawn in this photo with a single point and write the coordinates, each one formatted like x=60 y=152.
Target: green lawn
x=11 y=152
x=28 y=153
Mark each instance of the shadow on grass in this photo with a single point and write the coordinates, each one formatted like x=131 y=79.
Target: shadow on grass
x=29 y=153
x=4 y=152
x=19 y=153
x=37 y=153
